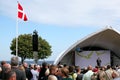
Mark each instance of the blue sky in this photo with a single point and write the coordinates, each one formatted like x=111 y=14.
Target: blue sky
x=60 y=22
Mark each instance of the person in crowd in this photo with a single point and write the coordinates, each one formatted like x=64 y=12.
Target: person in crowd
x=72 y=72
x=109 y=72
x=88 y=74
x=34 y=72
x=84 y=70
x=28 y=73
x=79 y=74
x=102 y=74
x=58 y=73
x=20 y=75
x=95 y=74
x=38 y=68
x=7 y=67
x=21 y=67
x=10 y=75
x=52 y=77
x=65 y=65
x=118 y=70
x=115 y=74
x=65 y=74
x=53 y=70
x=2 y=67
x=42 y=74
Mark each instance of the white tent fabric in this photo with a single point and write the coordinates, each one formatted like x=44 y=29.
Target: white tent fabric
x=107 y=38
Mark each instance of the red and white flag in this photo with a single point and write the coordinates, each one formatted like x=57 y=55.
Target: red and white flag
x=21 y=13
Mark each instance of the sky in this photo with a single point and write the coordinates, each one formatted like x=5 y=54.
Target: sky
x=60 y=22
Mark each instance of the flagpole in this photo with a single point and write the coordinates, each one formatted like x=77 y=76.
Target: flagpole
x=17 y=34
x=20 y=15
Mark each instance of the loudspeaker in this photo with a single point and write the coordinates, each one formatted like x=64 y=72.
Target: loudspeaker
x=35 y=42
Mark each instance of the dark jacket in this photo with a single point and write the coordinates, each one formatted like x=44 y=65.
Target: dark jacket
x=42 y=75
x=28 y=73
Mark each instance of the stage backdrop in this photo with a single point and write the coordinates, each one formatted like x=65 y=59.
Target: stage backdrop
x=85 y=58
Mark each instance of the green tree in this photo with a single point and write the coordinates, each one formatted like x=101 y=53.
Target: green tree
x=25 y=47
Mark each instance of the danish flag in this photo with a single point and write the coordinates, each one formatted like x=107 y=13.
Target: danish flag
x=21 y=13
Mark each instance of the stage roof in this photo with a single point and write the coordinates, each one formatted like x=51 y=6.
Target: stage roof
x=107 y=38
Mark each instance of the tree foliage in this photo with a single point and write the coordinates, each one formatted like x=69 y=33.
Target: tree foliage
x=25 y=47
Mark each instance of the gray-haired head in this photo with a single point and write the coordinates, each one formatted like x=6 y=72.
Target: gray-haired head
x=14 y=61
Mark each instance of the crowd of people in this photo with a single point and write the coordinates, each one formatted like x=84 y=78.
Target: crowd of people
x=25 y=71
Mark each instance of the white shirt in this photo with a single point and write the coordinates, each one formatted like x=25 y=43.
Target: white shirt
x=35 y=74
x=87 y=75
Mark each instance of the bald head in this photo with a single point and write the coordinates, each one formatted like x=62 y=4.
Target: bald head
x=89 y=67
x=52 y=77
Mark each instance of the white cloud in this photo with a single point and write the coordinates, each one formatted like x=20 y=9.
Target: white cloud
x=67 y=12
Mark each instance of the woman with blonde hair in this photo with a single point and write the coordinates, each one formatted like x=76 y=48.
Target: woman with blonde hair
x=65 y=74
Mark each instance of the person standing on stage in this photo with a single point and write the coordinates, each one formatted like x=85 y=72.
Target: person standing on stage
x=98 y=62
